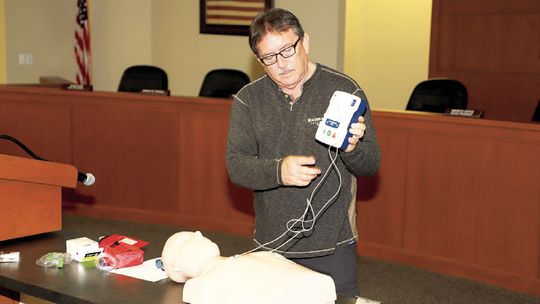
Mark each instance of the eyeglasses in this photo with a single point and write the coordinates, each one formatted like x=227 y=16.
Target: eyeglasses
x=285 y=53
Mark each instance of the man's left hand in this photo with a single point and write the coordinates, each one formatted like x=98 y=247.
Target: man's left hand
x=357 y=130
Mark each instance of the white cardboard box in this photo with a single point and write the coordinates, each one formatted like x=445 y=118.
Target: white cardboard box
x=83 y=249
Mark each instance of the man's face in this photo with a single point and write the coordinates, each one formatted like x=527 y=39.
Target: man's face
x=286 y=72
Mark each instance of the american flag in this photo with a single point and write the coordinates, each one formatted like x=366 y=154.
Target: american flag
x=232 y=12
x=83 y=52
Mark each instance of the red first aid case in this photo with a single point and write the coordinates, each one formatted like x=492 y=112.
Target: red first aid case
x=126 y=251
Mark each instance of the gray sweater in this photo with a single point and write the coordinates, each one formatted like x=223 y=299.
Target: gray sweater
x=264 y=128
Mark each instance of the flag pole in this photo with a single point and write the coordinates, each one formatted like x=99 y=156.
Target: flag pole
x=89 y=61
x=82 y=47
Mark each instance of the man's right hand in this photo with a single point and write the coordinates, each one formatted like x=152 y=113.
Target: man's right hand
x=297 y=170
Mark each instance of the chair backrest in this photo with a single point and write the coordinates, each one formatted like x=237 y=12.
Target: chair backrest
x=223 y=83
x=437 y=95
x=536 y=115
x=143 y=77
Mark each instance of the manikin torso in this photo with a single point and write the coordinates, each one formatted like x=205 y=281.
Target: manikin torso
x=259 y=277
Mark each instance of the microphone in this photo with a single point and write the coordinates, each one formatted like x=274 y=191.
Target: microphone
x=87 y=179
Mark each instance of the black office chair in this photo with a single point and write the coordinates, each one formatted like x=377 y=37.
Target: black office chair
x=144 y=77
x=223 y=83
x=437 y=95
x=536 y=115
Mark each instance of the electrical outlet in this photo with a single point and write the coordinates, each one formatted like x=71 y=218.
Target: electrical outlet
x=29 y=59
x=22 y=59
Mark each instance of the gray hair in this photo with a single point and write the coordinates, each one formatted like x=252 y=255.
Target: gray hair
x=272 y=20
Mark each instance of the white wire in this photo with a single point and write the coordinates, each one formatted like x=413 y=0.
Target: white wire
x=309 y=209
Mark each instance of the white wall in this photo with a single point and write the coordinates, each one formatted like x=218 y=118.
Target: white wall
x=187 y=55
x=159 y=32
x=3 y=69
x=44 y=29
x=121 y=33
x=387 y=48
x=324 y=21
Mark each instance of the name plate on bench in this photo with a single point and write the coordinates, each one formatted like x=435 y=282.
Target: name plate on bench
x=464 y=113
x=78 y=87
x=155 y=92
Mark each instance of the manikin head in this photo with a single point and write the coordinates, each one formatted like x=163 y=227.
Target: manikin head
x=184 y=254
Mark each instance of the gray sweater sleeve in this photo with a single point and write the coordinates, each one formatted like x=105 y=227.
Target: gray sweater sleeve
x=243 y=163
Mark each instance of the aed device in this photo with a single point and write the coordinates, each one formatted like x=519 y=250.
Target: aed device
x=343 y=110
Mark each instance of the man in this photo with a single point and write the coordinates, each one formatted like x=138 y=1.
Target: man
x=301 y=213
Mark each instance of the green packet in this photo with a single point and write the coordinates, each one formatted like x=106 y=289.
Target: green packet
x=54 y=259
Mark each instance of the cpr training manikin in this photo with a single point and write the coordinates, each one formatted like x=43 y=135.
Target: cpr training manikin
x=257 y=277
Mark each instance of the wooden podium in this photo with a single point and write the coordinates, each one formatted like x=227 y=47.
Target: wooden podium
x=31 y=195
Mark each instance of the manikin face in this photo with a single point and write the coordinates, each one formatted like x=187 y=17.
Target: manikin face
x=288 y=73
x=184 y=253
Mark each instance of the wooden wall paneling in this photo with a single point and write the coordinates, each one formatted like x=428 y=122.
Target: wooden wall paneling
x=188 y=201
x=440 y=215
x=494 y=49
x=198 y=164
x=43 y=128
x=491 y=7
x=469 y=206
x=508 y=222
x=203 y=135
x=464 y=37
x=502 y=81
x=504 y=103
x=123 y=147
x=381 y=198
x=475 y=200
x=454 y=195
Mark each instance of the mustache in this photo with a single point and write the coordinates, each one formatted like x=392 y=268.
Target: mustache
x=285 y=71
